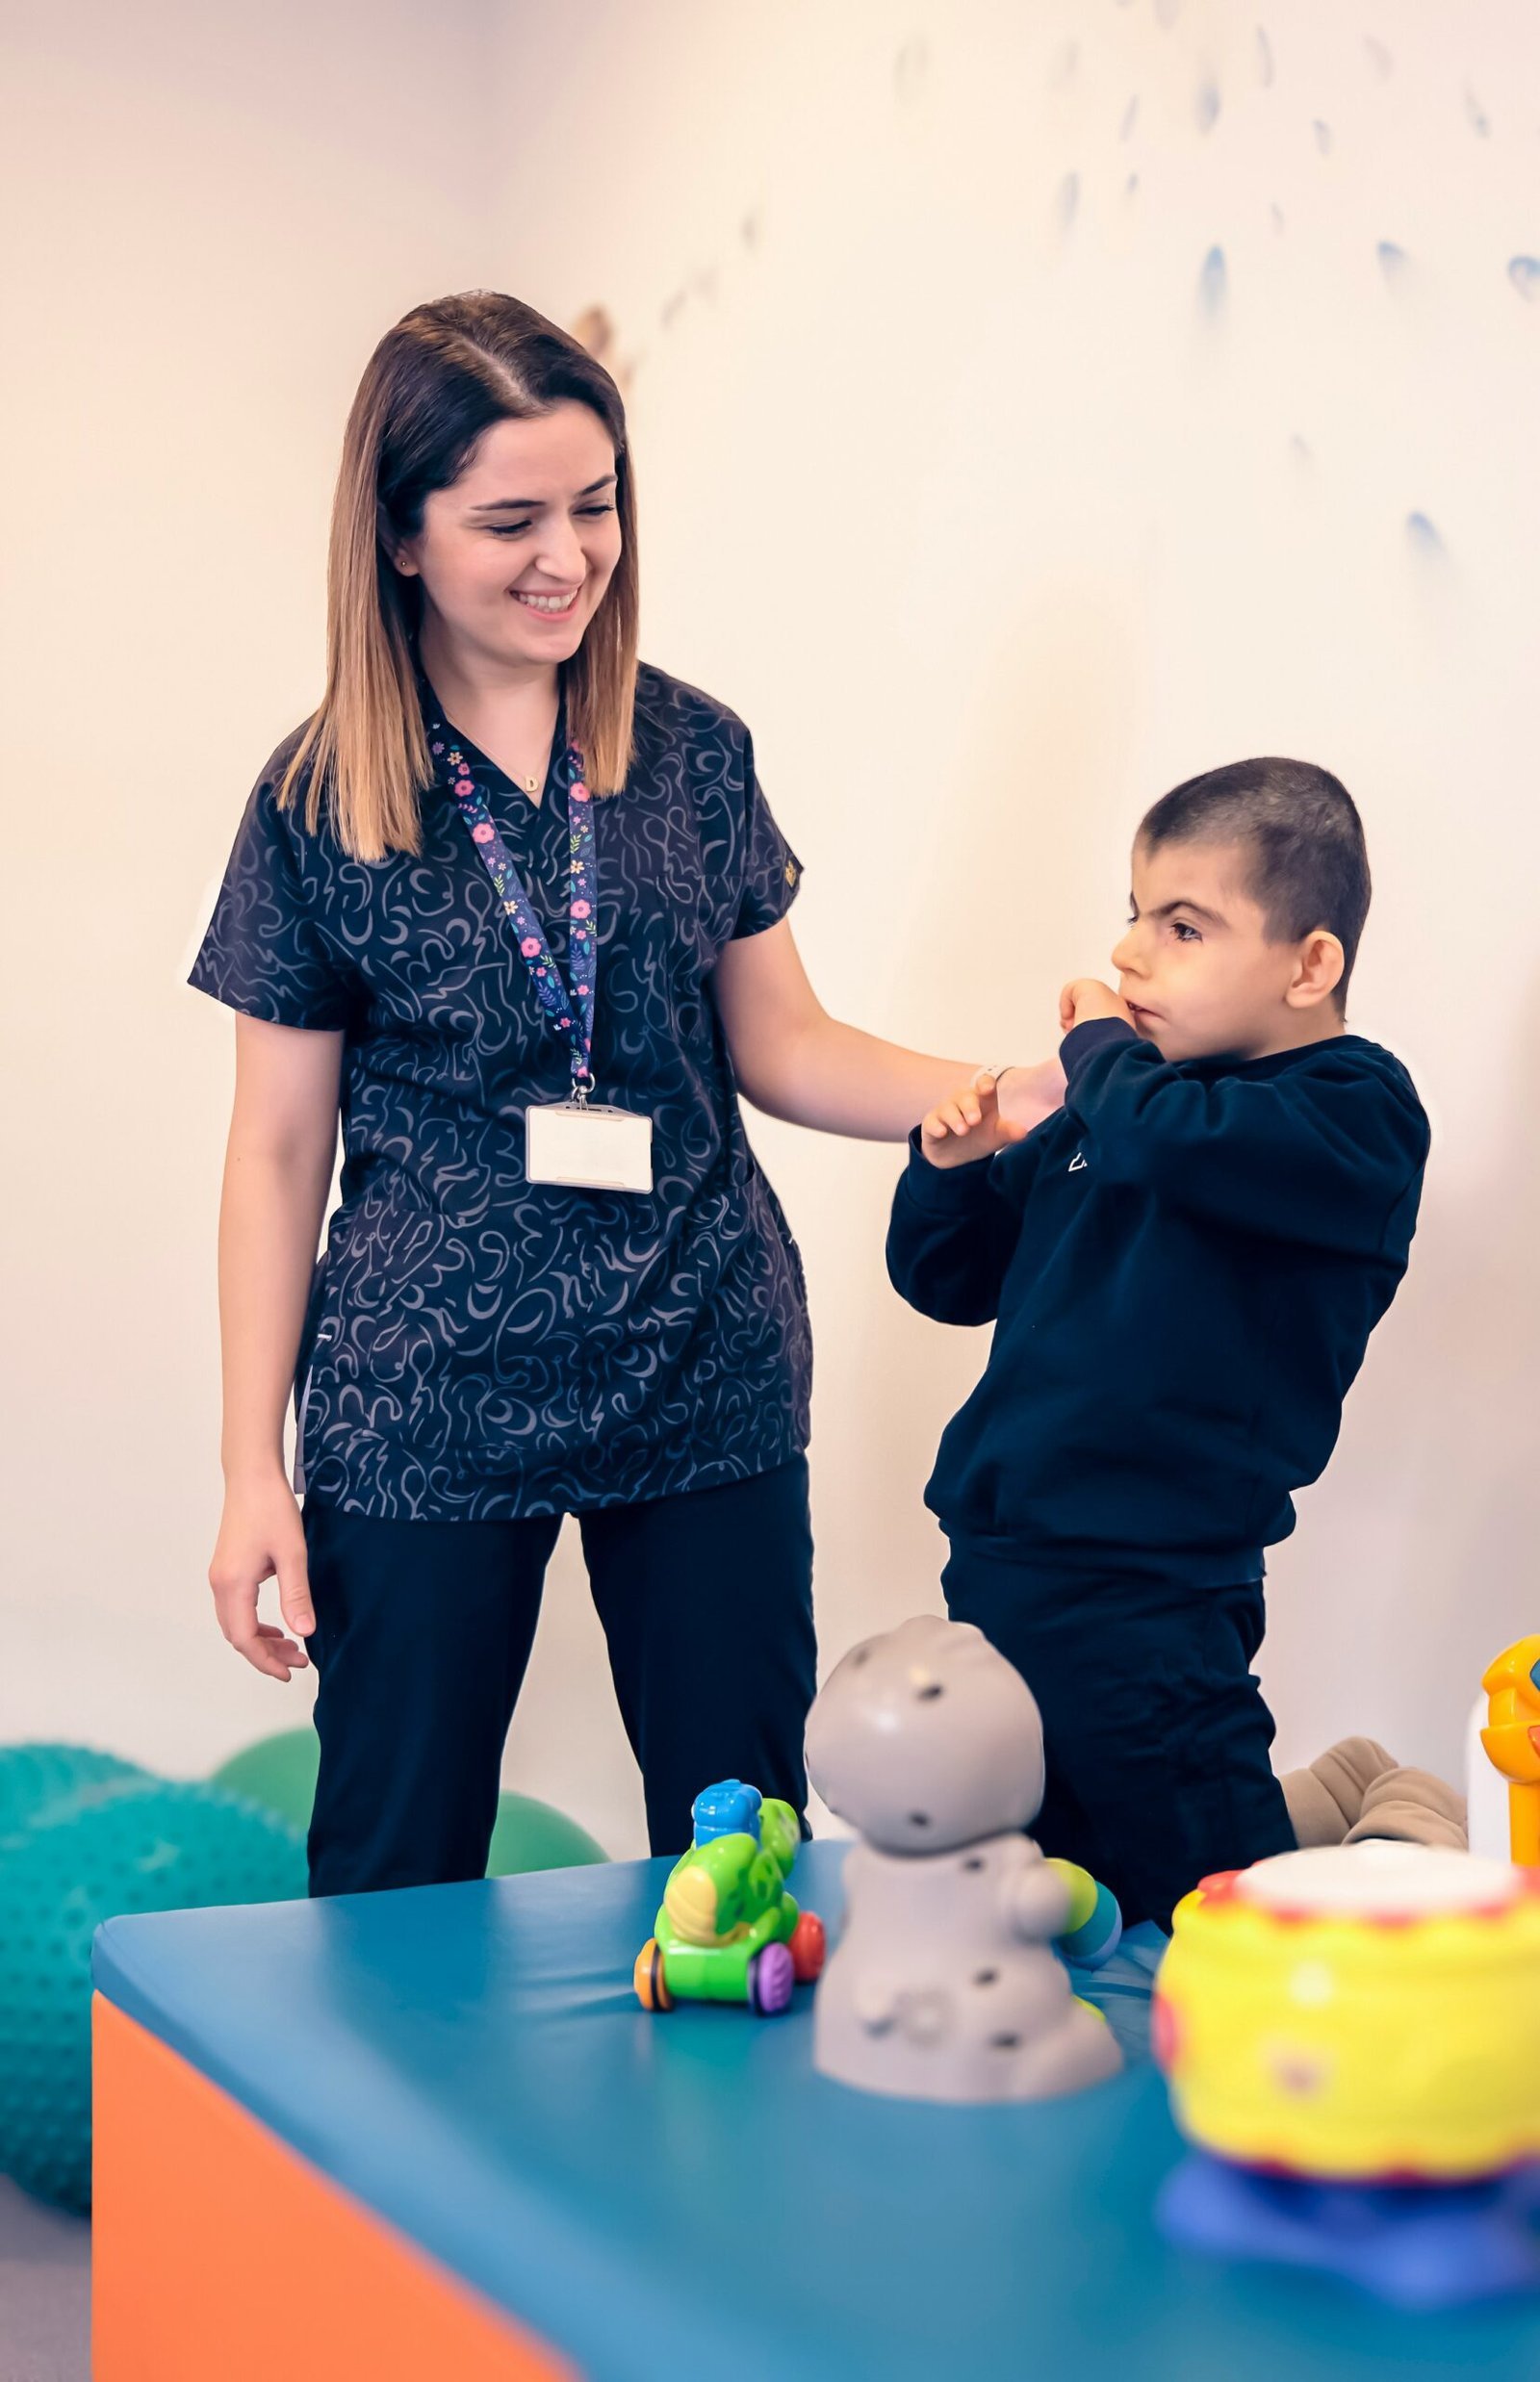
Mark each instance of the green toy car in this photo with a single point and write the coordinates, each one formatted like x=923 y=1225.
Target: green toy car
x=728 y=1930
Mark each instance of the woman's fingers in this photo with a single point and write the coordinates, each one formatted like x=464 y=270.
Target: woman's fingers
x=266 y=1649
x=262 y=1537
x=294 y=1590
x=265 y=1646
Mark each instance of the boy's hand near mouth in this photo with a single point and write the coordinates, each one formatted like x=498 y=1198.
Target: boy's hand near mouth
x=1086 y=998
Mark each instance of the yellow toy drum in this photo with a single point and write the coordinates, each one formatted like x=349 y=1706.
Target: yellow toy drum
x=1368 y=2012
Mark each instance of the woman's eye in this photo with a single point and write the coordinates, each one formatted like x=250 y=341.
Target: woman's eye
x=517 y=528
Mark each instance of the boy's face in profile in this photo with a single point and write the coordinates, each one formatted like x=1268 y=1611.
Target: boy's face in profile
x=1196 y=967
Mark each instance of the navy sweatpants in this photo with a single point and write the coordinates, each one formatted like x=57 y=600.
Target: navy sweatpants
x=1157 y=1740
x=423 y=1631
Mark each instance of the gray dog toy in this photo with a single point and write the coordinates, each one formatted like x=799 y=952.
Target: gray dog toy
x=944 y=1985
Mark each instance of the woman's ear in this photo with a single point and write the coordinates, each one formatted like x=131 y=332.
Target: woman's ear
x=1318 y=970
x=397 y=551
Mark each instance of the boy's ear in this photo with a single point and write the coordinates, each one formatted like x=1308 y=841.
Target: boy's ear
x=1318 y=970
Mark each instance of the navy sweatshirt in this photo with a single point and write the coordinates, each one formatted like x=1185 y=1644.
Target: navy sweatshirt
x=1185 y=1262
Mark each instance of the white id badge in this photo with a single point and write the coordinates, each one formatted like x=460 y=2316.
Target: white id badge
x=588 y=1148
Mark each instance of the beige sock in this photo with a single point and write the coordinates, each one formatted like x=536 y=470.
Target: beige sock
x=1326 y=1799
x=1412 y=1806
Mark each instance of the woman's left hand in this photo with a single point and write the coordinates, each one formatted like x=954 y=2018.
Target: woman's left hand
x=1026 y=1095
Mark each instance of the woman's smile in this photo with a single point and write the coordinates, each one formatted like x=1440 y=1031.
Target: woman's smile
x=556 y=607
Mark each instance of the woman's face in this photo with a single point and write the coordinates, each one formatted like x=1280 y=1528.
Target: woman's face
x=515 y=557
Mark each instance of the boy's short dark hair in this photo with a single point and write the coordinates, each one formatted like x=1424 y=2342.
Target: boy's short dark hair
x=1309 y=861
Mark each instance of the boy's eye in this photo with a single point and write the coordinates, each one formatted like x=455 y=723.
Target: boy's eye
x=1184 y=933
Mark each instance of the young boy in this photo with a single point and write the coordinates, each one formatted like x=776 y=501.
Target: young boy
x=1184 y=1265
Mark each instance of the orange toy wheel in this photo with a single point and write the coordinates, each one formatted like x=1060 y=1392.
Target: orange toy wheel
x=807 y=1947
x=652 y=1986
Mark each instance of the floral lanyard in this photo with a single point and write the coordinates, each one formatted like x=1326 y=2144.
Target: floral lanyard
x=571 y=1012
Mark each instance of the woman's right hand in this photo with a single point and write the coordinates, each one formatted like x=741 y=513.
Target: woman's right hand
x=261 y=1538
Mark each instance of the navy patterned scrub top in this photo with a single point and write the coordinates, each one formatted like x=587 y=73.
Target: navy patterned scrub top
x=478 y=1346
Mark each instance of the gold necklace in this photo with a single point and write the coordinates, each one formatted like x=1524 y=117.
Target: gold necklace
x=532 y=784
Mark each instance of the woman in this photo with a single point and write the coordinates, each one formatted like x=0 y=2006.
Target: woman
x=504 y=883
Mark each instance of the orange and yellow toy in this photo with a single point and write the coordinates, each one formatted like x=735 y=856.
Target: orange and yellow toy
x=1512 y=1742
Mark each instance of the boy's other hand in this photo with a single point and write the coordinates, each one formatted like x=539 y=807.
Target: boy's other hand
x=1088 y=997
x=967 y=1124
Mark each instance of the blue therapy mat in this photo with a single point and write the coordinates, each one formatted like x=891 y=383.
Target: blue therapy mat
x=682 y=2195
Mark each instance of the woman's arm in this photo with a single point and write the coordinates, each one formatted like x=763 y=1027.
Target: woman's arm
x=277 y=1171
x=793 y=1060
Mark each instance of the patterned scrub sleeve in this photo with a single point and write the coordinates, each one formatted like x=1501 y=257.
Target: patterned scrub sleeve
x=265 y=952
x=772 y=873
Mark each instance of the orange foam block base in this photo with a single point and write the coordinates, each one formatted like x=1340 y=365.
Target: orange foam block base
x=218 y=2252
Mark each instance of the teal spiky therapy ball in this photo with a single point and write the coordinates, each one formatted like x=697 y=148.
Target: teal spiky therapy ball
x=31 y=1777
x=140 y=1844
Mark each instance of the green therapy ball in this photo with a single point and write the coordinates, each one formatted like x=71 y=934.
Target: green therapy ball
x=144 y=1844
x=277 y=1771
x=31 y=1777
x=533 y=1835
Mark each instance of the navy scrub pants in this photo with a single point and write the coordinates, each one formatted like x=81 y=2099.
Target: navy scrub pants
x=423 y=1631
x=1156 y=1737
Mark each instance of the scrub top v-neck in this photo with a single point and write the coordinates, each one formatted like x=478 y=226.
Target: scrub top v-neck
x=479 y=1346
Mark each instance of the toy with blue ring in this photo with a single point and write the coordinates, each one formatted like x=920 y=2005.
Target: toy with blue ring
x=1096 y=1926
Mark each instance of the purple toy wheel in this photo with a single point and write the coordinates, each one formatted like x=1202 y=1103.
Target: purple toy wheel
x=772 y=1974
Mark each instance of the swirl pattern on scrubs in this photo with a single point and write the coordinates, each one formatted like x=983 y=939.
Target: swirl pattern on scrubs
x=482 y=1348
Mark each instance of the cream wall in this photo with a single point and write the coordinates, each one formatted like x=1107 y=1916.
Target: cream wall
x=991 y=524
x=212 y=215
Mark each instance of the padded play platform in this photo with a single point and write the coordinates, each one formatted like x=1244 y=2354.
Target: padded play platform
x=431 y=2134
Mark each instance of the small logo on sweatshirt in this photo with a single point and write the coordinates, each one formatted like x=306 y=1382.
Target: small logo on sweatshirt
x=1077 y=1164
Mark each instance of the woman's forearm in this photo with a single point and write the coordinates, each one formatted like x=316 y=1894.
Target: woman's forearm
x=793 y=1060
x=270 y=1226
x=838 y=1079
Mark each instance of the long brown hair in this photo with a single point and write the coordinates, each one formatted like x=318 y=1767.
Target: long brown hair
x=431 y=388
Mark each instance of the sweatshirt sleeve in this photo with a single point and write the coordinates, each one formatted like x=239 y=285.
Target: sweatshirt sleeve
x=952 y=1236
x=1327 y=1157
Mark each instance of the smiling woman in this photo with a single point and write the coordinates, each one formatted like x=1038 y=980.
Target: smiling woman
x=552 y=554
x=485 y=454
x=516 y=906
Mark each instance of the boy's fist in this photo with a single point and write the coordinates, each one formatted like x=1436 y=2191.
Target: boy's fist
x=1088 y=997
x=967 y=1124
